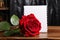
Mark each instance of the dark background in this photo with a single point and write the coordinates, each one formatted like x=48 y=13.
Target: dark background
x=54 y=12
x=16 y=7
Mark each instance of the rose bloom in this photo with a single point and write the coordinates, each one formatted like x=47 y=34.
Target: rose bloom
x=29 y=25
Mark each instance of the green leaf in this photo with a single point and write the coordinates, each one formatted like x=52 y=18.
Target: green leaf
x=14 y=20
x=11 y=32
x=8 y=33
x=4 y=26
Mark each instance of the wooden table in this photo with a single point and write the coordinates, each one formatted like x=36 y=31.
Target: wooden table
x=41 y=36
x=54 y=32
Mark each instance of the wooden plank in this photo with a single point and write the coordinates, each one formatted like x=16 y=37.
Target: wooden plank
x=3 y=8
x=54 y=32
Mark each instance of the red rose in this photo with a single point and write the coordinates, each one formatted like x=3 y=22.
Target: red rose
x=29 y=25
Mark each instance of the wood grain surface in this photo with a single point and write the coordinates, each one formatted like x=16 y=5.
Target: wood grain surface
x=42 y=35
x=54 y=32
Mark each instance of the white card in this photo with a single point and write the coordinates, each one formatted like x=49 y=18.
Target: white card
x=40 y=13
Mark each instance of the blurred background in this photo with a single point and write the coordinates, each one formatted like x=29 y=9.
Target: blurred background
x=54 y=12
x=10 y=7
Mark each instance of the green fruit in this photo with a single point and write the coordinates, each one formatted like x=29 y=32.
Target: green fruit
x=4 y=26
x=14 y=20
